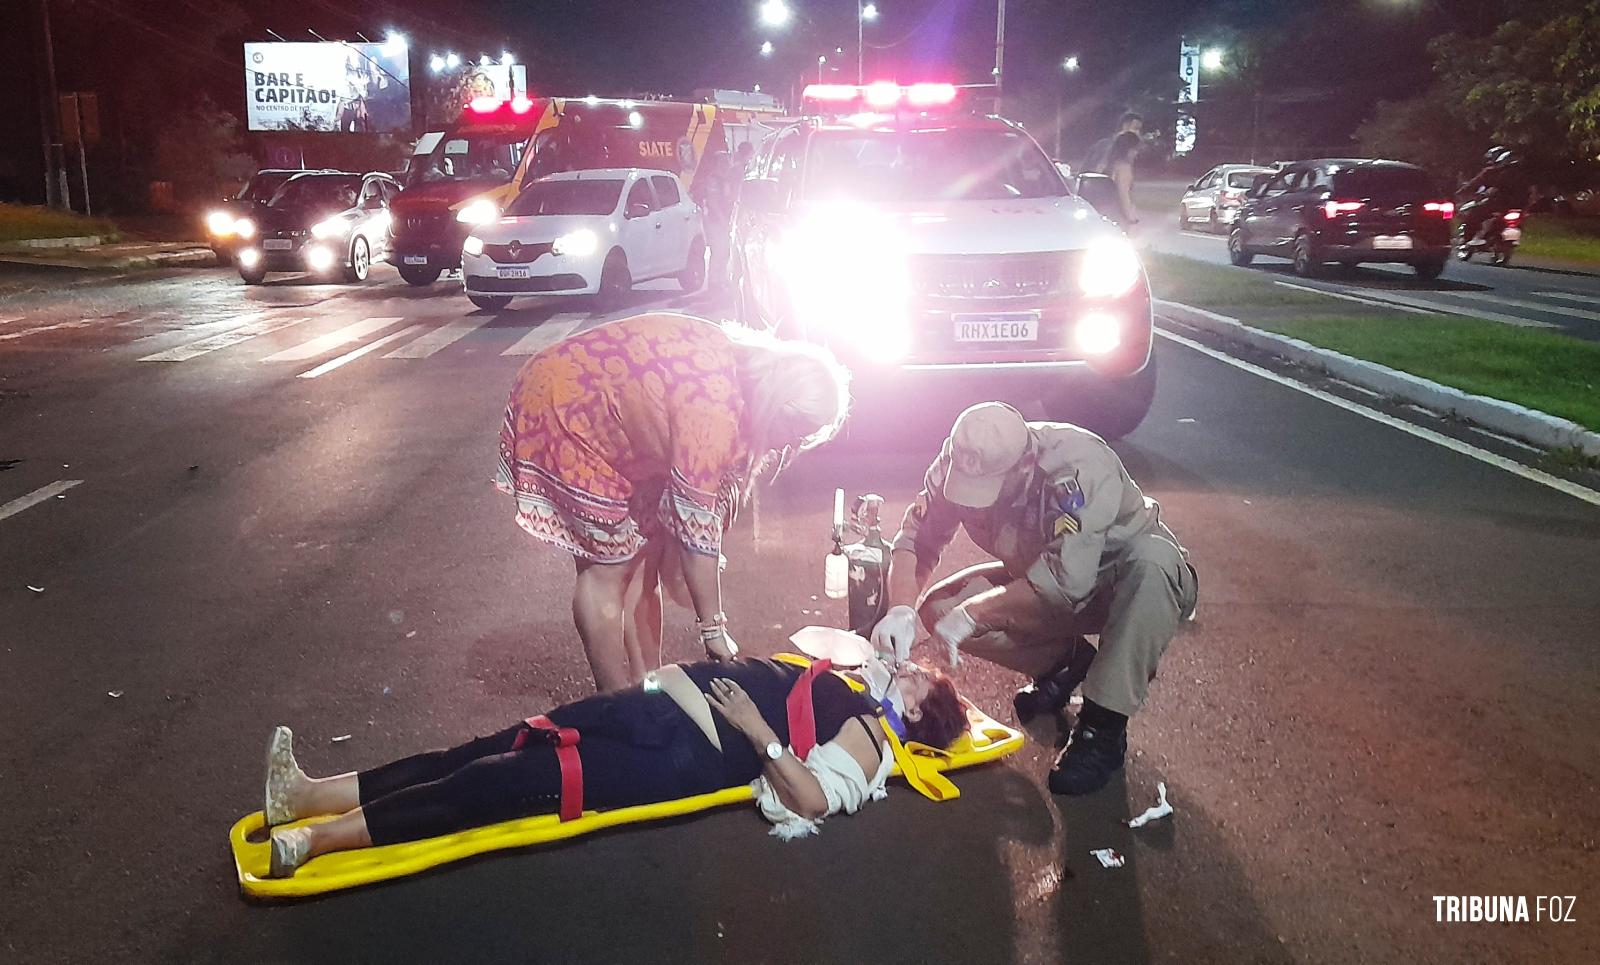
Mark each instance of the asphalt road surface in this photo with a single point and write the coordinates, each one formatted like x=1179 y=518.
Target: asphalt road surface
x=1523 y=295
x=264 y=505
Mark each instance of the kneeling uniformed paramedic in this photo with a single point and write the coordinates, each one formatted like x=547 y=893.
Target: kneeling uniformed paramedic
x=1079 y=550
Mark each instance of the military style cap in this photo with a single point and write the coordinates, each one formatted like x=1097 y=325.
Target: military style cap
x=987 y=442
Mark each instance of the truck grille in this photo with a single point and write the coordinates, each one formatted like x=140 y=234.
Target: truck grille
x=989 y=276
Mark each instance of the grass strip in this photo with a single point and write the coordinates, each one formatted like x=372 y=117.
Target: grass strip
x=1572 y=238
x=23 y=222
x=1549 y=372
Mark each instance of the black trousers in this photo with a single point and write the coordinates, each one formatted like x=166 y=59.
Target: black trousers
x=636 y=748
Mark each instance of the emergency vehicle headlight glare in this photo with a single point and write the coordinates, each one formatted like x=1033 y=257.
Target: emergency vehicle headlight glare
x=473 y=245
x=244 y=228
x=319 y=258
x=1098 y=333
x=1110 y=268
x=220 y=223
x=249 y=257
x=481 y=211
x=331 y=228
x=579 y=243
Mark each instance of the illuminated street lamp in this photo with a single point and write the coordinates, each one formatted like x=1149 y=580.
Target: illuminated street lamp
x=506 y=59
x=394 y=44
x=436 y=63
x=775 y=13
x=1070 y=65
x=483 y=60
x=869 y=12
x=863 y=14
x=1211 y=59
x=766 y=48
x=452 y=60
x=822 y=62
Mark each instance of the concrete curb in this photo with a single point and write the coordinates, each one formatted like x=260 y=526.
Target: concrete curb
x=32 y=244
x=1509 y=418
x=187 y=258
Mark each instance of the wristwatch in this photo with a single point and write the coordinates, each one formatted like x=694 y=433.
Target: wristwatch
x=774 y=751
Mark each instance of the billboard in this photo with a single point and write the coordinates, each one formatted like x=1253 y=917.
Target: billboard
x=355 y=87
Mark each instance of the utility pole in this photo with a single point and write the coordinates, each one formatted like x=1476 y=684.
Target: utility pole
x=55 y=189
x=999 y=55
x=861 y=54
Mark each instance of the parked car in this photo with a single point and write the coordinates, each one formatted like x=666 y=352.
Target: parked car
x=943 y=257
x=1347 y=211
x=319 y=222
x=223 y=222
x=1215 y=198
x=587 y=233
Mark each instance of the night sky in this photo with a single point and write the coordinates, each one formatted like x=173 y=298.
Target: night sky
x=139 y=53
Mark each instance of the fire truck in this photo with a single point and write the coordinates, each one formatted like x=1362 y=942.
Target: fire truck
x=465 y=176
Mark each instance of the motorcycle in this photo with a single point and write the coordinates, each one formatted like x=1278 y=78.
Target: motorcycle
x=1497 y=237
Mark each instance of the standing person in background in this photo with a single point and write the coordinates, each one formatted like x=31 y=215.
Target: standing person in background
x=1119 y=165
x=642 y=438
x=1097 y=160
x=716 y=185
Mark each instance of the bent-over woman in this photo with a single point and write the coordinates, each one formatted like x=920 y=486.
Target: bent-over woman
x=698 y=728
x=634 y=443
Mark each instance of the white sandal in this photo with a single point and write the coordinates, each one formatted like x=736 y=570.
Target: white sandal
x=283 y=774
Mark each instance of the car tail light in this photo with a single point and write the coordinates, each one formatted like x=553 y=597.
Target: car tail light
x=1334 y=209
x=1445 y=209
x=1513 y=216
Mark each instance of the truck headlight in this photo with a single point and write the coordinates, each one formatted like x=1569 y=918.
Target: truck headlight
x=1110 y=268
x=579 y=243
x=481 y=211
x=472 y=246
x=332 y=228
x=220 y=223
x=244 y=228
x=848 y=275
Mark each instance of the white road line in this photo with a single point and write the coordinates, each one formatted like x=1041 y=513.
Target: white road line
x=323 y=344
x=252 y=326
x=1437 y=438
x=550 y=331
x=1533 y=306
x=438 y=338
x=77 y=323
x=1464 y=310
x=1355 y=298
x=8 y=321
x=37 y=496
x=1571 y=297
x=351 y=356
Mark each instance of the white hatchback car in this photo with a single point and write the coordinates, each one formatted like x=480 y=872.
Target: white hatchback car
x=587 y=233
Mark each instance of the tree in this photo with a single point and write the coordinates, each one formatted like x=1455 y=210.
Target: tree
x=1533 y=84
x=1429 y=129
x=201 y=151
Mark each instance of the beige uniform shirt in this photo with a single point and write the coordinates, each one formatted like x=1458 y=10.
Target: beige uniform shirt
x=1066 y=513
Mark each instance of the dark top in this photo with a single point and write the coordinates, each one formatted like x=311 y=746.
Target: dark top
x=768 y=683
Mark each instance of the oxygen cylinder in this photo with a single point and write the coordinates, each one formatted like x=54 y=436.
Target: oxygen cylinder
x=869 y=560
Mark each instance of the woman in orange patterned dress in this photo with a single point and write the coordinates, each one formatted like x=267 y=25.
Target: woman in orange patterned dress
x=648 y=432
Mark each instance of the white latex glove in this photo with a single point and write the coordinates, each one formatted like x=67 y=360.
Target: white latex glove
x=954 y=630
x=896 y=632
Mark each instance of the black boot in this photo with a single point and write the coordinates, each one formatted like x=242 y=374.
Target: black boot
x=1095 y=751
x=1048 y=694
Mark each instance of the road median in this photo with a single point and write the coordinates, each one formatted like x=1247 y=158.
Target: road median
x=1533 y=385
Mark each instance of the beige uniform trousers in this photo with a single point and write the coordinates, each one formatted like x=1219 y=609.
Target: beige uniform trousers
x=1141 y=597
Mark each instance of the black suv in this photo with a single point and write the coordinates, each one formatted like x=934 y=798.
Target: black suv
x=1345 y=211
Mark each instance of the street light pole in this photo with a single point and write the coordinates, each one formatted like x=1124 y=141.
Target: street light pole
x=861 y=53
x=999 y=55
x=50 y=119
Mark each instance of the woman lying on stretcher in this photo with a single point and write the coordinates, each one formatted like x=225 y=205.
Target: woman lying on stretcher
x=692 y=729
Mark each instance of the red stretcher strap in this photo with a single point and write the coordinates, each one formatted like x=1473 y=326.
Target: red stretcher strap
x=802 y=715
x=566 y=745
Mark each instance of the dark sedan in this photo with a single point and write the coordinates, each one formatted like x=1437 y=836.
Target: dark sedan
x=1346 y=211
x=320 y=222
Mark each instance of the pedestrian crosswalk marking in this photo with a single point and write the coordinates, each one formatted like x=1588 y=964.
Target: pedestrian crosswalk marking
x=351 y=356
x=552 y=330
x=440 y=337
x=252 y=326
x=38 y=496
x=1530 y=305
x=323 y=344
x=1571 y=297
